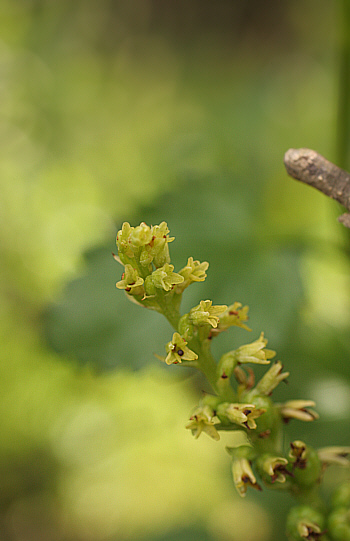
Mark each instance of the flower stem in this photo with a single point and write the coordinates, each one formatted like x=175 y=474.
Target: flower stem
x=166 y=304
x=206 y=363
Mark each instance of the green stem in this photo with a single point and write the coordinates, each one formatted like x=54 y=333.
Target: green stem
x=310 y=497
x=208 y=366
x=205 y=362
x=166 y=303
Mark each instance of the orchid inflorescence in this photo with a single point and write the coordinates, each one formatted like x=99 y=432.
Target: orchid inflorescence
x=237 y=402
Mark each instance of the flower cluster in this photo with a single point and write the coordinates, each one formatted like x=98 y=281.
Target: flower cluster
x=237 y=402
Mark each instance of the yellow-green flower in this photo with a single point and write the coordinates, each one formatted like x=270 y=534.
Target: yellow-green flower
x=177 y=350
x=123 y=240
x=255 y=352
x=165 y=277
x=194 y=271
x=271 y=379
x=205 y=313
x=298 y=409
x=203 y=420
x=273 y=468
x=334 y=455
x=141 y=235
x=242 y=414
x=131 y=281
x=159 y=244
x=236 y=316
x=243 y=476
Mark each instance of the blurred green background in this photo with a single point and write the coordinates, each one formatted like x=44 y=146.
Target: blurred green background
x=148 y=111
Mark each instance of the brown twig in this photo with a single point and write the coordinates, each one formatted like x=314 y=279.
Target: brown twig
x=310 y=167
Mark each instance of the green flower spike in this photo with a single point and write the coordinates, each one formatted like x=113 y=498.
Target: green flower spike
x=241 y=414
x=242 y=472
x=255 y=352
x=271 y=379
x=178 y=351
x=298 y=409
x=205 y=313
x=203 y=420
x=131 y=281
x=165 y=278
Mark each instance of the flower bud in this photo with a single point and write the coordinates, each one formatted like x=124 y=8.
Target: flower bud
x=159 y=244
x=298 y=409
x=341 y=496
x=272 y=469
x=307 y=467
x=271 y=379
x=339 y=524
x=334 y=455
x=254 y=352
x=242 y=472
x=304 y=522
x=123 y=242
x=339 y=518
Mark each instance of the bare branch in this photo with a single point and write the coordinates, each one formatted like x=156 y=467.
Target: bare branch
x=310 y=167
